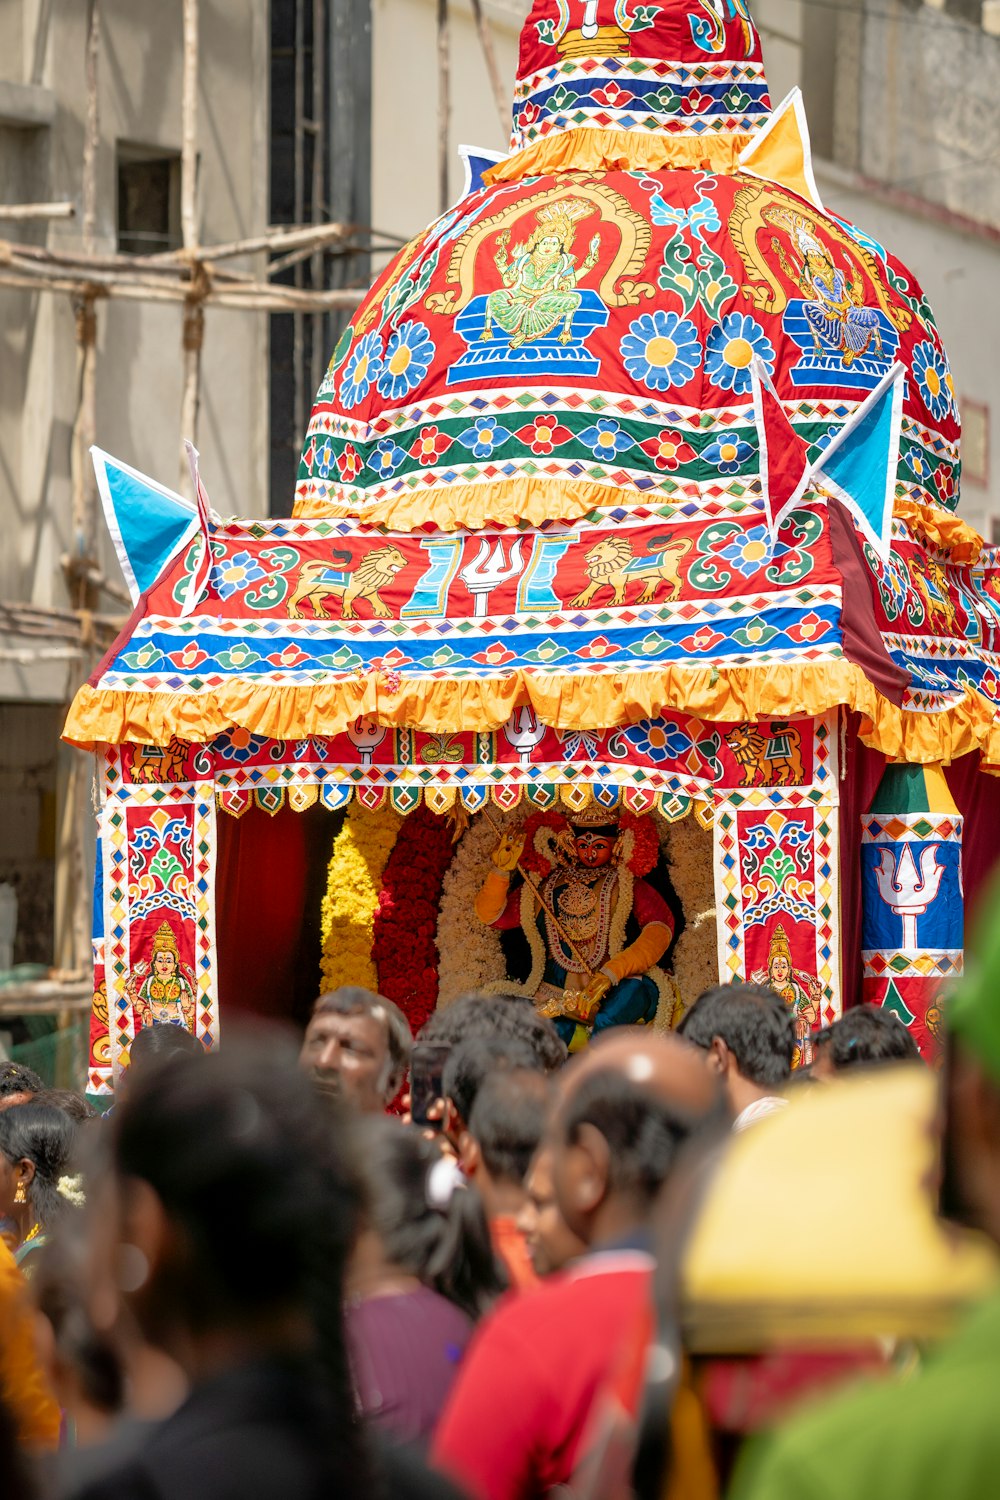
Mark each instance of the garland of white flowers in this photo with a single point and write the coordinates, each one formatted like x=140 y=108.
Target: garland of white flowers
x=688 y=850
x=471 y=955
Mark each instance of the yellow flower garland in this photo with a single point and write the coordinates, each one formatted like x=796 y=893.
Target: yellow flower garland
x=353 y=881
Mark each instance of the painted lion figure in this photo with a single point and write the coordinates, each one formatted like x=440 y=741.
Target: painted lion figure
x=318 y=581
x=931 y=583
x=611 y=563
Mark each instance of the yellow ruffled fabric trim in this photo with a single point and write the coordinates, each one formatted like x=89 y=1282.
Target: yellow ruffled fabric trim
x=107 y=716
x=589 y=150
x=941 y=530
x=507 y=502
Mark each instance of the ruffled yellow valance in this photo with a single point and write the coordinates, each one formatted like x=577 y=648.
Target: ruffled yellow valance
x=588 y=150
x=733 y=694
x=941 y=530
x=505 y=502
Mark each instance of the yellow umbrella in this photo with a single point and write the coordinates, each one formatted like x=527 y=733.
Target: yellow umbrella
x=818 y=1225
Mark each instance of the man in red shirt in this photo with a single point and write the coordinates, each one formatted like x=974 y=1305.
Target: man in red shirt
x=518 y=1412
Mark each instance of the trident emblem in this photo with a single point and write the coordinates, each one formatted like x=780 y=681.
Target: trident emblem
x=906 y=890
x=488 y=571
x=366 y=735
x=524 y=732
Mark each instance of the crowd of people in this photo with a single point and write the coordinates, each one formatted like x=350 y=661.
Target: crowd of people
x=363 y=1265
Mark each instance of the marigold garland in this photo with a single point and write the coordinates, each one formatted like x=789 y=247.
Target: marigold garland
x=405 y=925
x=354 y=878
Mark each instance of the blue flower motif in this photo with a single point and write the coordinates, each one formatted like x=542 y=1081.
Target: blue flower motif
x=387 y=458
x=661 y=349
x=933 y=377
x=324 y=459
x=407 y=359
x=238 y=744
x=728 y=454
x=748 y=551
x=918 y=464
x=361 y=371
x=658 y=739
x=731 y=346
x=605 y=438
x=483 y=436
x=232 y=574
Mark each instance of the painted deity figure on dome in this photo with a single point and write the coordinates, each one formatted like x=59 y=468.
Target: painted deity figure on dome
x=595 y=928
x=540 y=276
x=165 y=995
x=834 y=309
x=800 y=991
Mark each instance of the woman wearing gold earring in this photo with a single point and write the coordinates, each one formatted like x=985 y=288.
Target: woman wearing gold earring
x=36 y=1185
x=35 y=1145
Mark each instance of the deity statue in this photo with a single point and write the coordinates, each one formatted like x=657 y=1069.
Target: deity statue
x=165 y=995
x=594 y=926
x=540 y=276
x=800 y=991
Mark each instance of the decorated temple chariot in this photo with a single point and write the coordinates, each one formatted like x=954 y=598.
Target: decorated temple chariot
x=625 y=637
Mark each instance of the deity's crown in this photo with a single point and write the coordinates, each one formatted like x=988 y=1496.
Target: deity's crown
x=778 y=946
x=164 y=940
x=681 y=67
x=593 y=817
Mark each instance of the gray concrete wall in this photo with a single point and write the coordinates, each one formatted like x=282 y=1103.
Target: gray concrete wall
x=139 y=346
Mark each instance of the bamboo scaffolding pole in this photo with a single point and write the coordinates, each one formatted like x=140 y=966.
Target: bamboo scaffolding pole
x=83 y=482
x=24 y=211
x=193 y=328
x=490 y=58
x=317 y=114
x=298 y=202
x=254 y=296
x=444 y=100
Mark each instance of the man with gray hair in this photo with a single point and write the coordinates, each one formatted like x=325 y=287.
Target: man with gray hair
x=357 y=1046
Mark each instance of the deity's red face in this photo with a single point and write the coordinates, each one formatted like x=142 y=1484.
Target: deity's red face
x=593 y=849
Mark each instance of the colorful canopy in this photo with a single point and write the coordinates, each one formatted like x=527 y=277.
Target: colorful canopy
x=532 y=492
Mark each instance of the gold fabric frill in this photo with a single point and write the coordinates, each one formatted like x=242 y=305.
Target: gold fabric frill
x=941 y=530
x=588 y=150
x=528 y=500
x=602 y=700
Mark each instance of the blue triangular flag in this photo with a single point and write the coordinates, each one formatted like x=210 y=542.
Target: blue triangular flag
x=859 y=466
x=476 y=160
x=149 y=524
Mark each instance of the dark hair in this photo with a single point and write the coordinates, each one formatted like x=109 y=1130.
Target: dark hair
x=482 y=1015
x=43 y=1135
x=75 y=1106
x=472 y=1061
x=56 y=1285
x=867 y=1034
x=507 y=1121
x=353 y=1000
x=756 y=1026
x=446 y=1246
x=254 y=1172
x=643 y=1133
x=162 y=1039
x=15 y=1078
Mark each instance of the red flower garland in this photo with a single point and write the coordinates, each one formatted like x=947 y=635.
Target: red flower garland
x=405 y=923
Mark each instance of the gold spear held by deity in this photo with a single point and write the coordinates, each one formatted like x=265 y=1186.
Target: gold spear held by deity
x=544 y=904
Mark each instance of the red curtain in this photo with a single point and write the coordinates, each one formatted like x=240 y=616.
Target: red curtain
x=260 y=895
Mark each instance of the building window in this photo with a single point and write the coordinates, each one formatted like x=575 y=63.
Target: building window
x=149 y=200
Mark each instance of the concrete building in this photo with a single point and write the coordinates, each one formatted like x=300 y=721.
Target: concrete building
x=43 y=110
x=901 y=99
